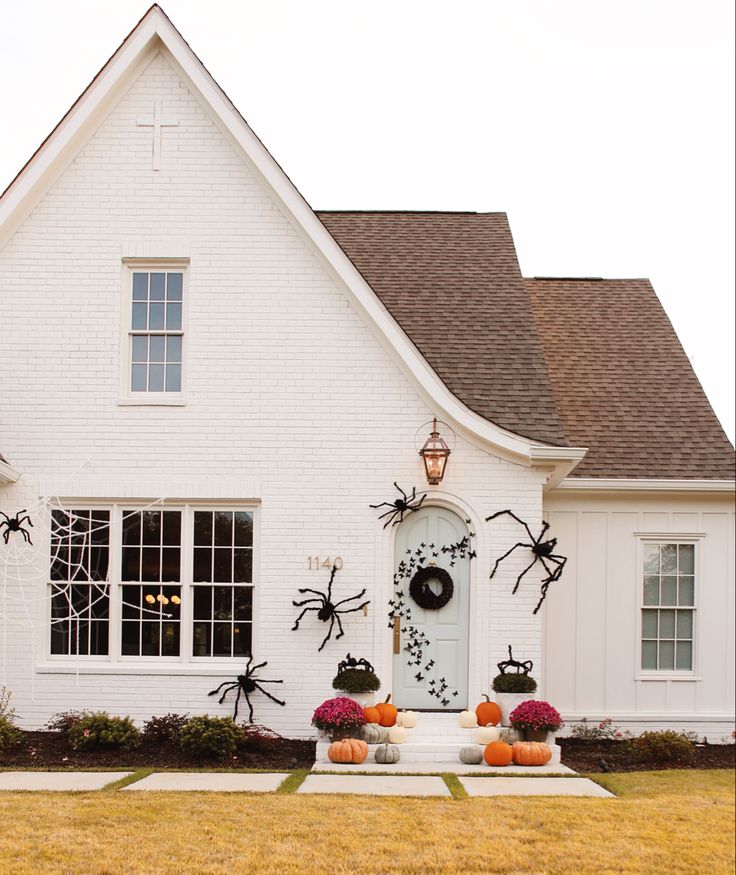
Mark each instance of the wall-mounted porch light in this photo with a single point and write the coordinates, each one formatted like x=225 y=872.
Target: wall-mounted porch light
x=434 y=454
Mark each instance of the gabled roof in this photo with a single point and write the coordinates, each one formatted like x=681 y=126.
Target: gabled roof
x=623 y=384
x=155 y=33
x=582 y=362
x=453 y=283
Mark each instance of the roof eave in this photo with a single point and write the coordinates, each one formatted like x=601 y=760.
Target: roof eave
x=651 y=485
x=8 y=474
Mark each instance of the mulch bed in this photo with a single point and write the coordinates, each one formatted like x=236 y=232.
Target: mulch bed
x=51 y=750
x=614 y=756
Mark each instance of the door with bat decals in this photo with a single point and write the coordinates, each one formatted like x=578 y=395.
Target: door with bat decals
x=432 y=590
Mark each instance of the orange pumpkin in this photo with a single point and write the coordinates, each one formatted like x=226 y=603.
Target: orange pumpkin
x=531 y=753
x=371 y=715
x=498 y=753
x=386 y=712
x=349 y=750
x=488 y=713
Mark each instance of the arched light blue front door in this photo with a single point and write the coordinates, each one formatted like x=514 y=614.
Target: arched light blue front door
x=421 y=537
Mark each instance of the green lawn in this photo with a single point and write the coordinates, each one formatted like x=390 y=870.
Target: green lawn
x=679 y=821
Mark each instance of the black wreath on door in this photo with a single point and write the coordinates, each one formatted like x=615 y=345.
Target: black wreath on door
x=424 y=595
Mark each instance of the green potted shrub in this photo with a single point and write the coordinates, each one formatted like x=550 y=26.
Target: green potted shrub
x=357 y=678
x=511 y=690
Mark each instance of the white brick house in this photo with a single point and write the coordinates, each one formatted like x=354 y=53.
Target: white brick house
x=184 y=340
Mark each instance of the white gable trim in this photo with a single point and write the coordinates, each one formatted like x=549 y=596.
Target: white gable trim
x=8 y=474
x=155 y=32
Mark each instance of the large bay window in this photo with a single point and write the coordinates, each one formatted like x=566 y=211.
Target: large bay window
x=171 y=583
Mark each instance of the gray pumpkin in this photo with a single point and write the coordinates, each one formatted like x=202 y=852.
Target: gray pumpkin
x=471 y=754
x=387 y=753
x=372 y=733
x=511 y=735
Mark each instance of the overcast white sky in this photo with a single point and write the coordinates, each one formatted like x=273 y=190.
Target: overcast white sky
x=605 y=128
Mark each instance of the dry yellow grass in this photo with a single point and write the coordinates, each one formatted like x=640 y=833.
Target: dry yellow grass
x=670 y=821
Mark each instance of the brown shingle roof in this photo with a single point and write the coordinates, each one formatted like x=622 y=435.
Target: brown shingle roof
x=623 y=385
x=452 y=281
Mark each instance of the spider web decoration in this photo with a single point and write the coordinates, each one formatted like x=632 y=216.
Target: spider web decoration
x=416 y=640
x=246 y=684
x=41 y=576
x=543 y=552
x=326 y=610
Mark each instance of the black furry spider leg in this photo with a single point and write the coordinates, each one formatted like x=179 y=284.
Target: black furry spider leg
x=313 y=591
x=353 y=610
x=343 y=601
x=230 y=686
x=266 y=693
x=528 y=568
x=329 y=632
x=401 y=491
x=508 y=553
x=374 y=506
x=513 y=515
x=339 y=625
x=296 y=622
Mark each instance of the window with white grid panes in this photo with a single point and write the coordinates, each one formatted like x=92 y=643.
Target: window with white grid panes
x=80 y=591
x=668 y=607
x=151 y=583
x=222 y=583
x=156 y=331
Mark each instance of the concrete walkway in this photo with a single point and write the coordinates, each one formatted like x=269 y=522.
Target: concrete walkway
x=534 y=787
x=58 y=780
x=383 y=784
x=214 y=782
x=453 y=768
x=376 y=785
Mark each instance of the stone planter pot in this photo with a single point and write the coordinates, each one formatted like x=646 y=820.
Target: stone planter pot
x=364 y=699
x=508 y=701
x=329 y=737
x=536 y=735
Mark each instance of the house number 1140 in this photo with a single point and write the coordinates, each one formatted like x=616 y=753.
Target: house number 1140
x=317 y=562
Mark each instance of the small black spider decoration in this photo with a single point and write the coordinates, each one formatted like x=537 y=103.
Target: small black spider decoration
x=543 y=552
x=326 y=610
x=521 y=667
x=246 y=684
x=352 y=662
x=405 y=504
x=15 y=524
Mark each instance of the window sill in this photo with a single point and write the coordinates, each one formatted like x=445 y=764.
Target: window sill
x=156 y=401
x=667 y=676
x=212 y=669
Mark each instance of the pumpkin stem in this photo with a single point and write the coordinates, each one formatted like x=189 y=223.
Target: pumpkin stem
x=388 y=699
x=485 y=696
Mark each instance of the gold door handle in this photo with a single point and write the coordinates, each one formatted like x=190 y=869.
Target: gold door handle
x=397 y=634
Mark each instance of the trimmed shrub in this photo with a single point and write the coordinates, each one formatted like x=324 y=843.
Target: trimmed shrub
x=665 y=746
x=100 y=730
x=9 y=733
x=210 y=738
x=514 y=683
x=356 y=680
x=64 y=720
x=166 y=728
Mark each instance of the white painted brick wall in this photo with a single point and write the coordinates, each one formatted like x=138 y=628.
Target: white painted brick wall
x=286 y=385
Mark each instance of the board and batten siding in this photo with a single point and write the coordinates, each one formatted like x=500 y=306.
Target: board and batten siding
x=591 y=630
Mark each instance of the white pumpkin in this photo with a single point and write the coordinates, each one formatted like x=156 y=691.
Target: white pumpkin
x=397 y=734
x=407 y=719
x=467 y=719
x=486 y=734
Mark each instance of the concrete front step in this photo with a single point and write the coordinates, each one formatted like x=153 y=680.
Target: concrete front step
x=423 y=752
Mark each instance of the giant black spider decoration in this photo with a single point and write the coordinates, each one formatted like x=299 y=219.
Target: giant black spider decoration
x=326 y=609
x=543 y=552
x=246 y=684
x=15 y=524
x=405 y=504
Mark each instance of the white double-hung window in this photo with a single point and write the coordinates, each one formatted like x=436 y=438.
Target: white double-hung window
x=668 y=606
x=155 y=304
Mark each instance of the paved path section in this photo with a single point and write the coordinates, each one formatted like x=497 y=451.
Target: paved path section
x=454 y=768
x=215 y=782
x=370 y=785
x=58 y=780
x=534 y=787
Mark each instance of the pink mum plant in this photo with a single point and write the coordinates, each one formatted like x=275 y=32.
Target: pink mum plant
x=538 y=716
x=339 y=715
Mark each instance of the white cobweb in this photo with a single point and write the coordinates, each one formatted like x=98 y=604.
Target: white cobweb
x=54 y=574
